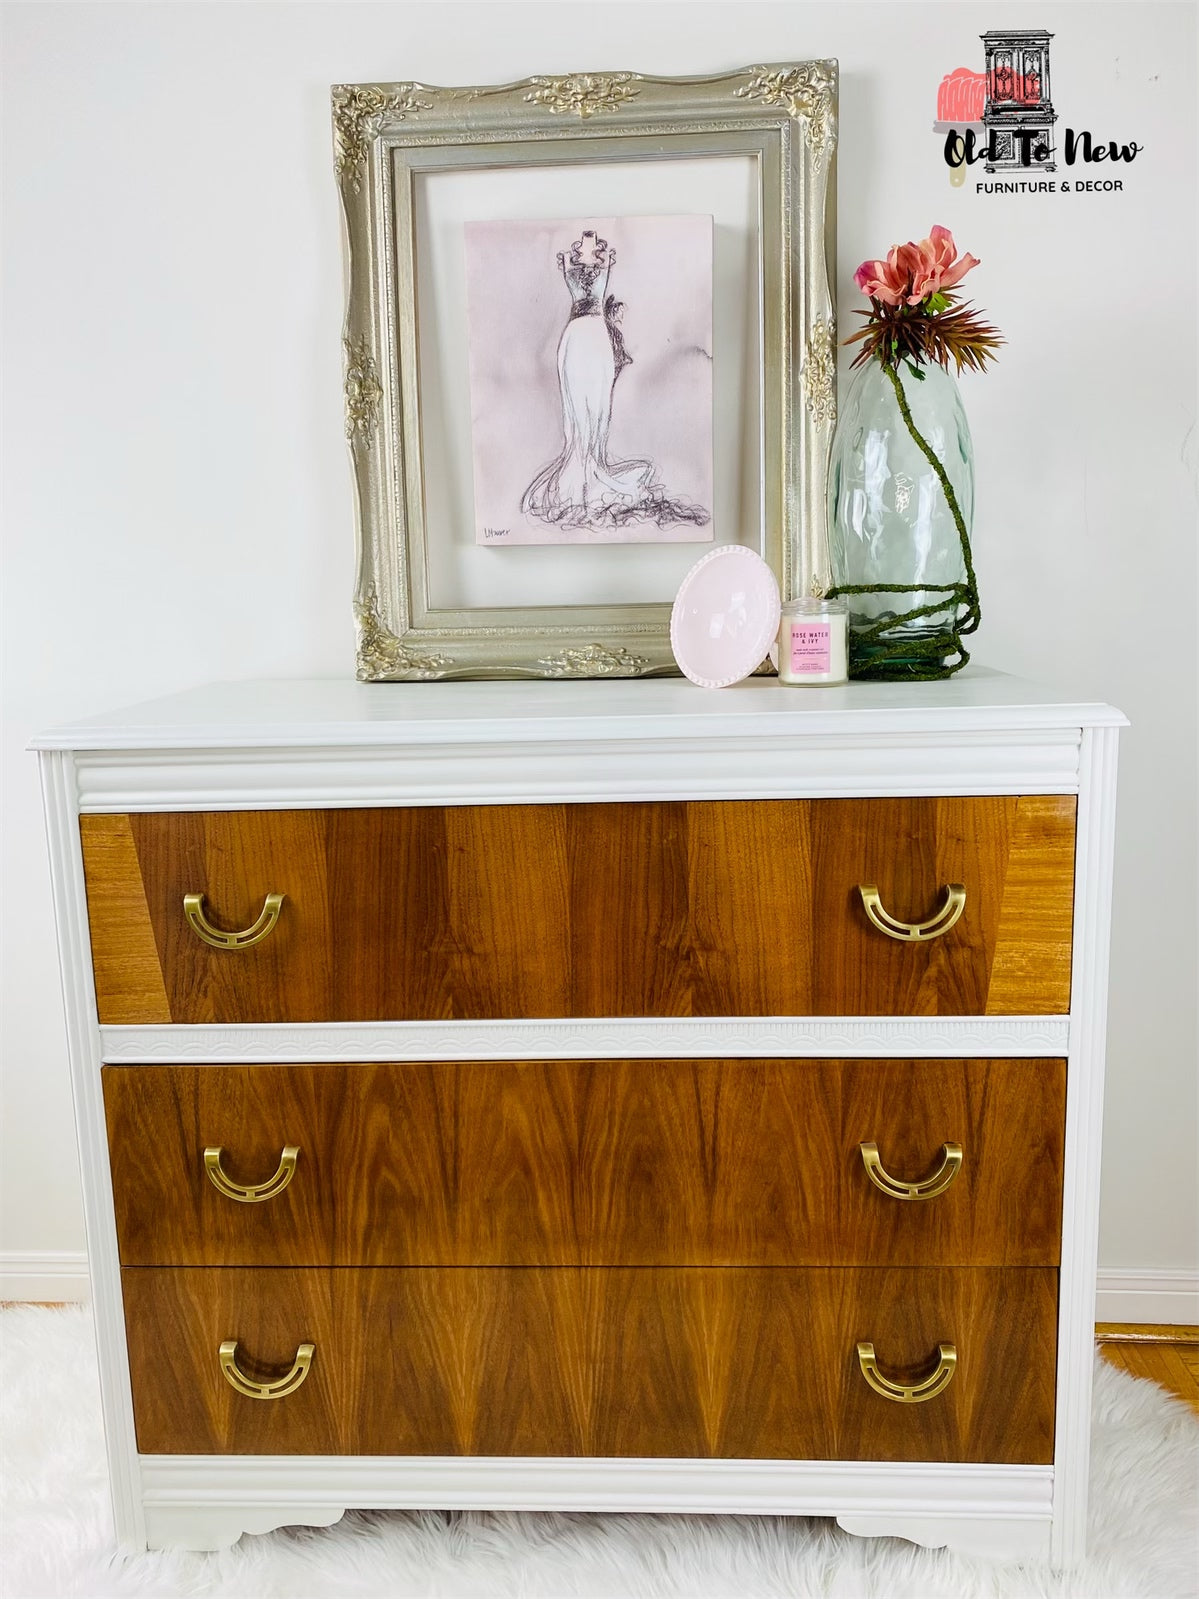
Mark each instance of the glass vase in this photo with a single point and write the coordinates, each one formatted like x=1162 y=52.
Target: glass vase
x=891 y=523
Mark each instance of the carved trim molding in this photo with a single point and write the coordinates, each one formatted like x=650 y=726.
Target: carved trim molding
x=382 y=656
x=358 y=110
x=806 y=94
x=584 y=93
x=723 y=763
x=364 y=392
x=206 y=1502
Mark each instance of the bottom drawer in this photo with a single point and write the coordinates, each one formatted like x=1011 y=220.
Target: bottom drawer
x=729 y=1362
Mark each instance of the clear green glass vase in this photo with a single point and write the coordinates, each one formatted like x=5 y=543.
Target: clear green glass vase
x=890 y=522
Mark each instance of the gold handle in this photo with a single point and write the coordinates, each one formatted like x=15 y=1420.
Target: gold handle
x=236 y=1378
x=914 y=932
x=193 y=909
x=909 y=1393
x=951 y=1164
x=251 y=1193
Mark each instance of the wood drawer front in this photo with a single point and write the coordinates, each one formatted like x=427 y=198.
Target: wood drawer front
x=701 y=908
x=734 y=1363
x=556 y=1163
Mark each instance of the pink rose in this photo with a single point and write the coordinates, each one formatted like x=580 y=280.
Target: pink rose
x=912 y=272
x=935 y=269
x=887 y=280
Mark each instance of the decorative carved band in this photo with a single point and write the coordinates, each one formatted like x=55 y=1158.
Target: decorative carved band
x=594 y=660
x=819 y=373
x=584 y=93
x=364 y=392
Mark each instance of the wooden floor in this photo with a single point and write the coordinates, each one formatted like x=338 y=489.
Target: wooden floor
x=1168 y=1356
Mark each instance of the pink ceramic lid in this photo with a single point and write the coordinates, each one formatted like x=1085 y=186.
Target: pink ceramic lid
x=725 y=617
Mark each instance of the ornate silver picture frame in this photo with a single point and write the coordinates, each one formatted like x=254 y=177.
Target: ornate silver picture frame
x=411 y=161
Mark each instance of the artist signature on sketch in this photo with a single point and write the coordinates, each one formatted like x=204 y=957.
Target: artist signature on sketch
x=496 y=532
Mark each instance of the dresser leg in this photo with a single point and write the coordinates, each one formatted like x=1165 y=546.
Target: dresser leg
x=988 y=1538
x=218 y=1526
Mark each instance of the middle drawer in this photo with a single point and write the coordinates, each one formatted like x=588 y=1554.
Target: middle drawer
x=594 y=1163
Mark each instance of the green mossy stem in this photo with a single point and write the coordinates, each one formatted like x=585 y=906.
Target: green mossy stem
x=942 y=653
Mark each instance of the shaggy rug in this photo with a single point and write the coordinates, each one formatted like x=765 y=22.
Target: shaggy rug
x=58 y=1537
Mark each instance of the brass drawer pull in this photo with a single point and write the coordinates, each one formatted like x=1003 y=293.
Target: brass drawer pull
x=909 y=1393
x=914 y=932
x=236 y=1378
x=193 y=909
x=250 y=1193
x=951 y=1165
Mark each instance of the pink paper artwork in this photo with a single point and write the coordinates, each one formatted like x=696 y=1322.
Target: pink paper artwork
x=590 y=346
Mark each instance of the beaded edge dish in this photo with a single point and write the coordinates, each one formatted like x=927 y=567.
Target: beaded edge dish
x=725 y=617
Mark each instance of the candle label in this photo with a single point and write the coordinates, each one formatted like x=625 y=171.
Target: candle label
x=810 y=648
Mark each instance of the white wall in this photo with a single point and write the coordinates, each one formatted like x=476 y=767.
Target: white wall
x=178 y=500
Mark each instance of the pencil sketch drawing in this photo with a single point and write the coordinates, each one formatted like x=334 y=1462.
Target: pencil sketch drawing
x=627 y=431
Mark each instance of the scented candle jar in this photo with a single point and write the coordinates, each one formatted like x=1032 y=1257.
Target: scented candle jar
x=813 y=641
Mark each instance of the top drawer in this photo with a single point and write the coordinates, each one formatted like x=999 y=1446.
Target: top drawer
x=694 y=908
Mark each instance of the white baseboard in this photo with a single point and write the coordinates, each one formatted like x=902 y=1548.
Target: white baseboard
x=44 y=1279
x=1166 y=1297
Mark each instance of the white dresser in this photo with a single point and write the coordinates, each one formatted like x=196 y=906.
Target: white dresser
x=592 y=1096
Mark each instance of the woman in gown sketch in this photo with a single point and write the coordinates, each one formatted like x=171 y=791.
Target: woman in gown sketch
x=581 y=487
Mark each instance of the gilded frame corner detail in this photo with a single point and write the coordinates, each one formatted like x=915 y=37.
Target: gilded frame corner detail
x=359 y=113
x=382 y=657
x=808 y=93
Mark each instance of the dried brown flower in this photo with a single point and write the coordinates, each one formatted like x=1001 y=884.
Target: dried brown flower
x=920 y=335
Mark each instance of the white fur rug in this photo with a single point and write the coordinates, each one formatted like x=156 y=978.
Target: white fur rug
x=58 y=1537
